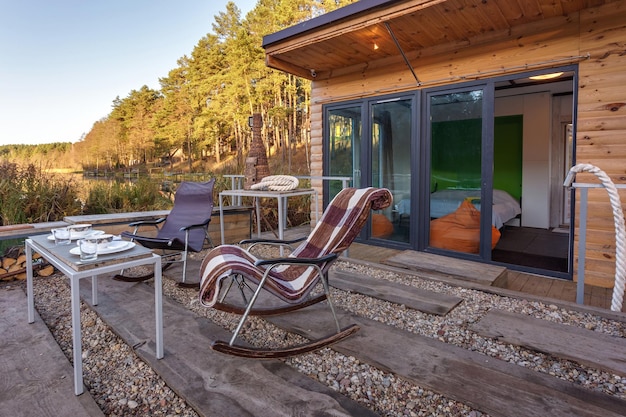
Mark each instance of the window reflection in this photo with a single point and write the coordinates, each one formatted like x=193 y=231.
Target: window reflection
x=391 y=167
x=344 y=146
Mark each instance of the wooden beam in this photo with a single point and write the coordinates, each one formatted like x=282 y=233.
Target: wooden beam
x=281 y=65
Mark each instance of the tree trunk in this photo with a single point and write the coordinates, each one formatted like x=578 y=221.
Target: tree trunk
x=190 y=157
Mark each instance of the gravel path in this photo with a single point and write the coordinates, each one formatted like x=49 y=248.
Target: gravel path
x=123 y=385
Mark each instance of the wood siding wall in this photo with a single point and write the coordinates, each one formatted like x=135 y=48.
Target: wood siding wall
x=601 y=134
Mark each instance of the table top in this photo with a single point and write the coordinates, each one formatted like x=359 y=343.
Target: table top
x=46 y=246
x=267 y=193
x=119 y=218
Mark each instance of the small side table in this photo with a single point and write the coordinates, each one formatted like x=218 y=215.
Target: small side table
x=71 y=266
x=281 y=196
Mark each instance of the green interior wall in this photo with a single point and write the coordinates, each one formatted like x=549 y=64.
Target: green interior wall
x=456 y=154
x=507 y=154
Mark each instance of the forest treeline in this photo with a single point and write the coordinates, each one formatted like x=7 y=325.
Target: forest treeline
x=201 y=110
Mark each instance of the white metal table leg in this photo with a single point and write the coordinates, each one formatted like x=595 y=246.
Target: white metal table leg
x=29 y=284
x=94 y=290
x=76 y=336
x=221 y=217
x=158 y=306
x=257 y=201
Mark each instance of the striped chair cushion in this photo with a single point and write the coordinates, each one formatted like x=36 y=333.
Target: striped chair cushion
x=340 y=224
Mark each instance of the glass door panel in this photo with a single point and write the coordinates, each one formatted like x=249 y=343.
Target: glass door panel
x=344 y=147
x=456 y=128
x=391 y=122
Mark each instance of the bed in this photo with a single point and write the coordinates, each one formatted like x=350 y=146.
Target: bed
x=505 y=207
x=443 y=202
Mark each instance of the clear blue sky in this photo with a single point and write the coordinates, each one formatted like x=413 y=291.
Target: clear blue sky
x=63 y=62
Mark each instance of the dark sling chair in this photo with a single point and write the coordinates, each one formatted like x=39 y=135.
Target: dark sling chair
x=290 y=278
x=184 y=229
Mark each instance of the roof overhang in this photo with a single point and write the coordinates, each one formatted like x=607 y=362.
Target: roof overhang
x=352 y=37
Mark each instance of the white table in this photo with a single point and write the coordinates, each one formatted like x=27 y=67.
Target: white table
x=71 y=266
x=281 y=196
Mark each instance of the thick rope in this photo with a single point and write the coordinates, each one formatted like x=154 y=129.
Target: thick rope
x=277 y=183
x=620 y=233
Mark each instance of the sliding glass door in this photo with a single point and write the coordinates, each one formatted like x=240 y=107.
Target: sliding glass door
x=457 y=203
x=385 y=158
x=475 y=169
x=391 y=132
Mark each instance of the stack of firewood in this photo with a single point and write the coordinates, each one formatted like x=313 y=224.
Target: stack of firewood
x=13 y=266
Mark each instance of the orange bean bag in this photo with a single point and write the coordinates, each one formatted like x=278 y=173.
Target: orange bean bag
x=381 y=226
x=460 y=230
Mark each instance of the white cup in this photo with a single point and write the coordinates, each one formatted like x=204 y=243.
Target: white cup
x=61 y=236
x=88 y=249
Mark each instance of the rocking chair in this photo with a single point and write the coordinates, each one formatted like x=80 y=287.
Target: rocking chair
x=184 y=229
x=291 y=278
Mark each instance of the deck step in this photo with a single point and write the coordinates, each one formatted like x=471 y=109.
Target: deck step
x=423 y=300
x=597 y=350
x=493 y=386
x=446 y=266
x=218 y=384
x=212 y=383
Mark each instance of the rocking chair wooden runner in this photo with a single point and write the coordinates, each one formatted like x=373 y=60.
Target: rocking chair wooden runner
x=291 y=278
x=184 y=229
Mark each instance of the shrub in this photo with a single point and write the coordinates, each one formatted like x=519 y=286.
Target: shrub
x=116 y=197
x=30 y=195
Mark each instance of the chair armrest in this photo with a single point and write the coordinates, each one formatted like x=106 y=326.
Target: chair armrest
x=195 y=226
x=297 y=261
x=272 y=241
x=147 y=222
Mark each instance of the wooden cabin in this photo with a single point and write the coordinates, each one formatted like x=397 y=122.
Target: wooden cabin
x=471 y=112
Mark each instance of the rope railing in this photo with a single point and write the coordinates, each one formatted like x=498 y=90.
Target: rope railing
x=620 y=231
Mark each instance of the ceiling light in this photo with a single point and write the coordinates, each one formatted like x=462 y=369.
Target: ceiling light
x=546 y=76
x=375 y=46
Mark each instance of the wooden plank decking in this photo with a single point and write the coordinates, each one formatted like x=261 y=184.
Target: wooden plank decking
x=558 y=289
x=597 y=350
x=532 y=284
x=212 y=383
x=220 y=384
x=496 y=387
x=457 y=268
x=426 y=301
x=36 y=376
x=216 y=384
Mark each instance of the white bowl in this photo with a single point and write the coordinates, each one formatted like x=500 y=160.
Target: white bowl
x=103 y=240
x=79 y=230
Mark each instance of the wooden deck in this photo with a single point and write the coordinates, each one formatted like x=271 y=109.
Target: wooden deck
x=455 y=372
x=480 y=273
x=563 y=341
x=216 y=384
x=536 y=285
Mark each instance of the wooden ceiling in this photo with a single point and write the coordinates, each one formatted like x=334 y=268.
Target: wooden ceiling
x=367 y=31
